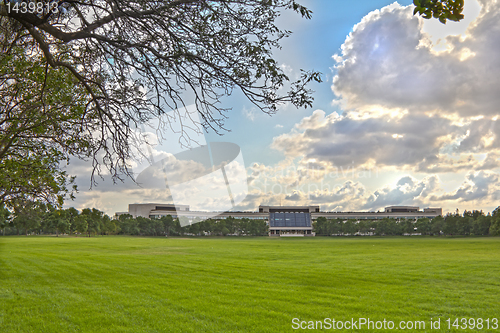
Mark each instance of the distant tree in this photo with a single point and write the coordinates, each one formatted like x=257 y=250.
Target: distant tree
x=477 y=213
x=71 y=213
x=219 y=225
x=94 y=220
x=4 y=217
x=437 y=225
x=177 y=227
x=128 y=225
x=320 y=226
x=395 y=228
x=80 y=224
x=145 y=226
x=364 y=226
x=334 y=227
x=28 y=215
x=231 y=225
x=495 y=222
x=465 y=224
x=55 y=220
x=423 y=226
x=348 y=227
x=481 y=226
x=194 y=229
x=168 y=224
x=60 y=221
x=451 y=224
x=388 y=226
x=260 y=228
x=109 y=226
x=407 y=226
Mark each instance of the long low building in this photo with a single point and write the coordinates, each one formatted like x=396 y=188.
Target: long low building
x=283 y=221
x=397 y=212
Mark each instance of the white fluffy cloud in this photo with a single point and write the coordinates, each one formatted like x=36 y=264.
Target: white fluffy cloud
x=407 y=191
x=477 y=186
x=389 y=61
x=479 y=189
x=406 y=105
x=410 y=105
x=384 y=140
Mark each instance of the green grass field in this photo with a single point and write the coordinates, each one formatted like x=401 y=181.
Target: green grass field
x=133 y=284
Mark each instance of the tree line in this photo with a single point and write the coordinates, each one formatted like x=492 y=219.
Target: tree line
x=33 y=217
x=45 y=219
x=40 y=218
x=469 y=223
x=167 y=225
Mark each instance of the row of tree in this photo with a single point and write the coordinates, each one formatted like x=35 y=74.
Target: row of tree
x=166 y=225
x=39 y=218
x=469 y=223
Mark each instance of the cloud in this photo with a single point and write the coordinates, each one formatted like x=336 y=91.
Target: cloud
x=412 y=102
x=111 y=201
x=403 y=141
x=407 y=106
x=481 y=185
x=478 y=189
x=249 y=113
x=388 y=61
x=407 y=191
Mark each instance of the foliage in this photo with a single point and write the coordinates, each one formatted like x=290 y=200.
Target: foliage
x=470 y=223
x=28 y=216
x=86 y=75
x=38 y=133
x=227 y=226
x=39 y=218
x=437 y=225
x=58 y=219
x=4 y=217
x=481 y=225
x=441 y=9
x=495 y=222
x=80 y=224
x=95 y=221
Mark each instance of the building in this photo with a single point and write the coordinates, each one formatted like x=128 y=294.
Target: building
x=289 y=221
x=397 y=212
x=184 y=213
x=283 y=221
x=401 y=209
x=153 y=210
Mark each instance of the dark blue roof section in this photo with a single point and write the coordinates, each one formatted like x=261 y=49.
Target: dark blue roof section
x=290 y=219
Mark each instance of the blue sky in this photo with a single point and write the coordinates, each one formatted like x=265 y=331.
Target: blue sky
x=406 y=115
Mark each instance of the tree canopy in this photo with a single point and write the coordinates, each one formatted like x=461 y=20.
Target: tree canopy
x=41 y=118
x=78 y=78
x=440 y=9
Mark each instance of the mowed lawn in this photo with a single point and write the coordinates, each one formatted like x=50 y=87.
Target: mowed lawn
x=135 y=284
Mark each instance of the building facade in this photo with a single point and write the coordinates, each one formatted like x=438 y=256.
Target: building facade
x=283 y=221
x=289 y=221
